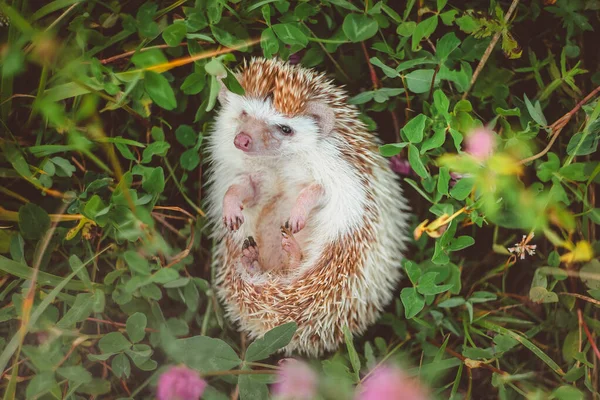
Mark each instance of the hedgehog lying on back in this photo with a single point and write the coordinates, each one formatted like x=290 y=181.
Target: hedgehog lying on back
x=309 y=221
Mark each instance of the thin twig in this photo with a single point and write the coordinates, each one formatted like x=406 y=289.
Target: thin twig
x=374 y=79
x=17 y=95
x=464 y=359
x=435 y=72
x=558 y=126
x=118 y=324
x=589 y=335
x=132 y=52
x=489 y=49
x=185 y=252
x=376 y=85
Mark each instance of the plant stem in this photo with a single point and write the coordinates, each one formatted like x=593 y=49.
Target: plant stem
x=186 y=198
x=489 y=49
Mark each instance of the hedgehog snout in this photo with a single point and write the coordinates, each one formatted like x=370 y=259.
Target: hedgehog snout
x=242 y=141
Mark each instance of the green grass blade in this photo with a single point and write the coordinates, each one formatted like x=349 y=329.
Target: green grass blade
x=24 y=272
x=51 y=7
x=12 y=346
x=525 y=342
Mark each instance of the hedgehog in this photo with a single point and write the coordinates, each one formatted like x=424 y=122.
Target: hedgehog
x=309 y=223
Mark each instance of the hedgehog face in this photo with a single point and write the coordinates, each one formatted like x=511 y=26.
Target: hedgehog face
x=261 y=130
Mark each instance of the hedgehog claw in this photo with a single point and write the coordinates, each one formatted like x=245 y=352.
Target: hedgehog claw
x=250 y=254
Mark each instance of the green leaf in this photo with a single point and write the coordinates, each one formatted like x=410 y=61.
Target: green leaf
x=446 y=45
x=148 y=58
x=136 y=327
x=423 y=30
x=406 y=28
x=540 y=294
x=591 y=270
x=359 y=27
x=567 y=392
x=462 y=188
x=412 y=301
x=232 y=83
x=189 y=159
x=420 y=81
x=174 y=34
x=137 y=263
x=154 y=182
x=193 y=84
x=536 y=112
x=269 y=43
x=352 y=354
x=415 y=162
x=159 y=90
x=40 y=384
x=452 y=302
x=413 y=271
x=215 y=86
x=121 y=366
x=582 y=144
x=215 y=68
x=75 y=373
x=80 y=311
x=64 y=168
x=461 y=242
x=511 y=112
x=391 y=149
x=290 y=34
x=34 y=221
x=186 y=135
x=113 y=342
x=272 y=341
x=165 y=275
x=427 y=284
x=579 y=172
x=448 y=17
x=362 y=98
x=96 y=387
x=388 y=71
x=224 y=36
x=94 y=208
x=252 y=388
x=155 y=149
x=435 y=141
x=546 y=170
x=414 y=129
x=443 y=181
x=203 y=353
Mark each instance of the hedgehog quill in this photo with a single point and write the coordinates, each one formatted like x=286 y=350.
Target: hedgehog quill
x=310 y=222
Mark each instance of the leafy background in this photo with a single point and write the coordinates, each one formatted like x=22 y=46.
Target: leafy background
x=105 y=274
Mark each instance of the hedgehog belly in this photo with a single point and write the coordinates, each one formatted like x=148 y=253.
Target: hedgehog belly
x=349 y=285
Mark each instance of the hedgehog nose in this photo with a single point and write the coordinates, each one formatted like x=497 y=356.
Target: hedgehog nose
x=242 y=141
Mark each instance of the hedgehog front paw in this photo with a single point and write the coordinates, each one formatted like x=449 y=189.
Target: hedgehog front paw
x=250 y=254
x=296 y=222
x=232 y=215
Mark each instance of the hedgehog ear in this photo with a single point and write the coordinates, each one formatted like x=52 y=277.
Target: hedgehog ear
x=223 y=92
x=323 y=114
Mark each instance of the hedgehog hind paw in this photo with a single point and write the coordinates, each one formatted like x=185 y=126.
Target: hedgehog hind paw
x=250 y=254
x=291 y=247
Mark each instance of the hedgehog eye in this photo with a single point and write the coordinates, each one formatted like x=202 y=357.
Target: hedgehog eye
x=243 y=114
x=286 y=130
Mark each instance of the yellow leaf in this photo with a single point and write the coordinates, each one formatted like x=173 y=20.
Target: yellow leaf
x=581 y=252
x=503 y=164
x=420 y=229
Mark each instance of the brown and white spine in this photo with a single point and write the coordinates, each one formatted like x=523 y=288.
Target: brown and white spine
x=352 y=245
